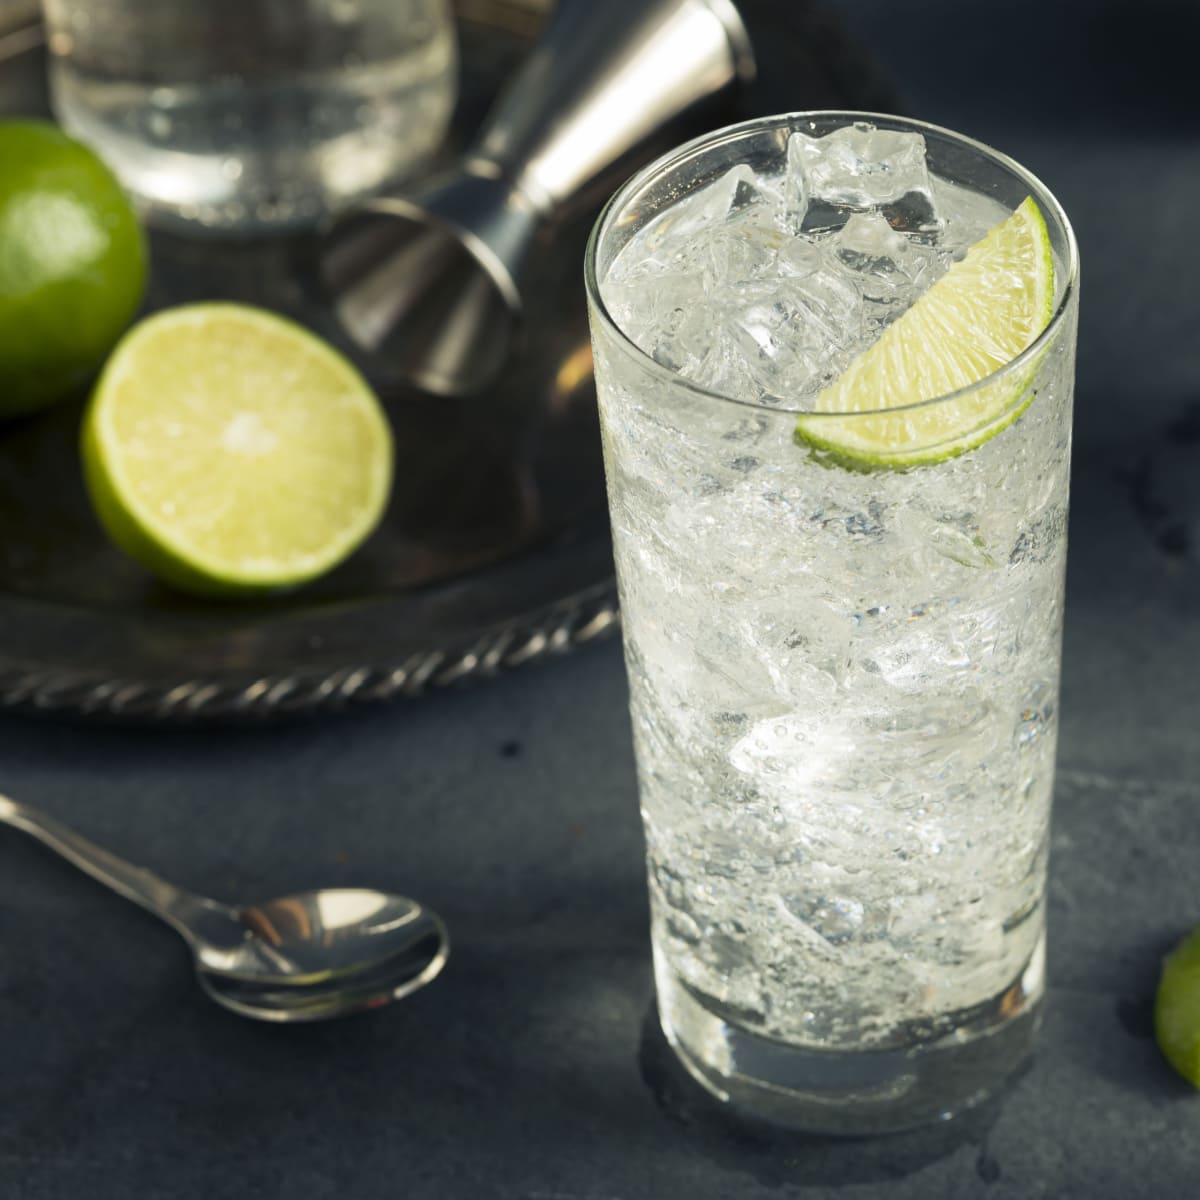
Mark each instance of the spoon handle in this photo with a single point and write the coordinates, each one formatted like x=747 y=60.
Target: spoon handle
x=166 y=901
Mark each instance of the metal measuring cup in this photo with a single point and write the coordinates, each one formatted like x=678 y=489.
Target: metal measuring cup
x=431 y=281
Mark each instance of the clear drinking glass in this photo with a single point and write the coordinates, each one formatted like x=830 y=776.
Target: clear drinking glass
x=253 y=115
x=843 y=681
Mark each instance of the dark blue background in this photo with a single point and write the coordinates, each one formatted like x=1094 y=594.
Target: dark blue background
x=532 y=1069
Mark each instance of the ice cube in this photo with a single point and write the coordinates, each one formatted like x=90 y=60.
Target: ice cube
x=888 y=269
x=664 y=315
x=708 y=205
x=800 y=257
x=740 y=251
x=967 y=216
x=741 y=241
x=837 y=919
x=812 y=941
x=804 y=646
x=659 y=288
x=787 y=337
x=868 y=243
x=795 y=197
x=638 y=304
x=679 y=239
x=793 y=752
x=857 y=165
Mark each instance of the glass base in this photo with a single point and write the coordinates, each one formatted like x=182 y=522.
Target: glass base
x=853 y=1092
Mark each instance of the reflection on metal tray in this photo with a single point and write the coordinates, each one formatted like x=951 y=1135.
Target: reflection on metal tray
x=495 y=550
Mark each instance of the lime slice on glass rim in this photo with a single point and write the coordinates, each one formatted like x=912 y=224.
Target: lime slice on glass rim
x=232 y=452
x=1177 y=1008
x=988 y=308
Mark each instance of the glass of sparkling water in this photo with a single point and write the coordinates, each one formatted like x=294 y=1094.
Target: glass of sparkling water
x=247 y=116
x=842 y=625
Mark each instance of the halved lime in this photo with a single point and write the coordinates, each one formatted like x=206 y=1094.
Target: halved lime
x=986 y=309
x=1177 y=1008
x=230 y=451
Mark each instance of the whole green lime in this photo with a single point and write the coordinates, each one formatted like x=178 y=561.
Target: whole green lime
x=1177 y=1008
x=72 y=265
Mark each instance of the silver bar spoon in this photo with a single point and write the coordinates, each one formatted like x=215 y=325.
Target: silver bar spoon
x=306 y=957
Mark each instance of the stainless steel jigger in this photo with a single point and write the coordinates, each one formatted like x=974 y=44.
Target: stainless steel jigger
x=431 y=281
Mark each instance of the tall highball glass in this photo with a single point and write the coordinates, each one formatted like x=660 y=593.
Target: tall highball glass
x=843 y=664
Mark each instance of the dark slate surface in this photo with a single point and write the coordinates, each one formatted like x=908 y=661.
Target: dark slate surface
x=531 y=1070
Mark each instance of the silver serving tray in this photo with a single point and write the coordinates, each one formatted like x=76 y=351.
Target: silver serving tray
x=495 y=550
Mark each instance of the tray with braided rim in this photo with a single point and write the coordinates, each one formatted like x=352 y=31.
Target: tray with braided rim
x=495 y=550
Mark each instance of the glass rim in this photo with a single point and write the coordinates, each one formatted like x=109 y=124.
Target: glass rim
x=674 y=158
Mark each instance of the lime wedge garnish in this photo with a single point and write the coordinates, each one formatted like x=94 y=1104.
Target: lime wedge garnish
x=986 y=309
x=1177 y=1008
x=231 y=451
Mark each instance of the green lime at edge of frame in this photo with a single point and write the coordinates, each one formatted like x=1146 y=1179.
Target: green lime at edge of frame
x=1177 y=1008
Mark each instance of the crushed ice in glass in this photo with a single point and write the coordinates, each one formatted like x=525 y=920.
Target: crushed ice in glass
x=765 y=288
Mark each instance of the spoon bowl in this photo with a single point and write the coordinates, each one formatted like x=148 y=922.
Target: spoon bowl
x=304 y=957
x=410 y=955
x=318 y=935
